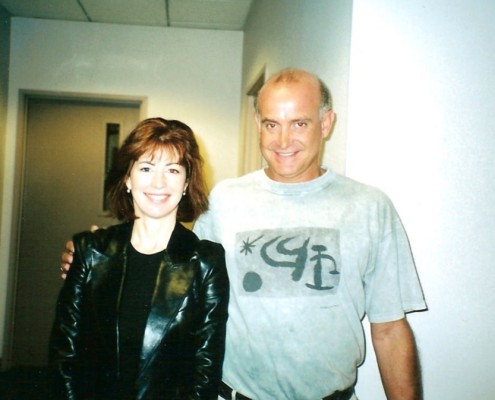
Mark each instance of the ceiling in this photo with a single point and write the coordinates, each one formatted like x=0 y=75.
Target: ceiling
x=201 y=14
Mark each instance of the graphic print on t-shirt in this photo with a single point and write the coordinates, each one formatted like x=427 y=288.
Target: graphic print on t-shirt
x=288 y=262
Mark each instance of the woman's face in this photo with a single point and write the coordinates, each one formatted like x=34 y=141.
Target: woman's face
x=157 y=183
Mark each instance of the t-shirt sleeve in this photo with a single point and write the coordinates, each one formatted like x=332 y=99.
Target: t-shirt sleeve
x=202 y=226
x=205 y=226
x=392 y=286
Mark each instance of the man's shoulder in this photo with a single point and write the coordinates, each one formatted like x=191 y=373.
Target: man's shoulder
x=354 y=187
x=235 y=185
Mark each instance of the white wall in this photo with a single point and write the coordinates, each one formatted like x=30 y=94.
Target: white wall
x=191 y=75
x=421 y=127
x=313 y=35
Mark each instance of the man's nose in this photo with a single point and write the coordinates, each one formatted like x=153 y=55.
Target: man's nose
x=284 y=138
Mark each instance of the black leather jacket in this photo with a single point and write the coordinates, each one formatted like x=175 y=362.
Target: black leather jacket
x=184 y=339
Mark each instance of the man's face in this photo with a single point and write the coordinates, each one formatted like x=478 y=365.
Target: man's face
x=292 y=130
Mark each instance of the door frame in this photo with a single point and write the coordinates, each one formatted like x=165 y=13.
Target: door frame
x=250 y=158
x=19 y=163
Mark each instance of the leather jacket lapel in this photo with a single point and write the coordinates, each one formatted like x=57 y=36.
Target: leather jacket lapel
x=175 y=276
x=171 y=287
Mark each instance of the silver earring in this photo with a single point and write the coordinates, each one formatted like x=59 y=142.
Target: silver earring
x=128 y=190
x=184 y=193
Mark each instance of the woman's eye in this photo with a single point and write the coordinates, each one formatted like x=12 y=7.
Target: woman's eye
x=145 y=169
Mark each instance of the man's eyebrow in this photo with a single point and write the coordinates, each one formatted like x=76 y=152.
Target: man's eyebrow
x=268 y=120
x=292 y=121
x=302 y=119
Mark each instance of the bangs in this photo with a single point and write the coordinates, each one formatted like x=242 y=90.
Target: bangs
x=158 y=145
x=159 y=149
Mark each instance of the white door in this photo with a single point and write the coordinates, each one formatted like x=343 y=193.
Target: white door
x=62 y=194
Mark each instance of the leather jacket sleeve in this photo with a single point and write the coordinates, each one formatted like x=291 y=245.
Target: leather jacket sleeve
x=63 y=353
x=211 y=334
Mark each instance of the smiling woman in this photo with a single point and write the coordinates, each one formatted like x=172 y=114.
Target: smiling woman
x=149 y=286
x=157 y=182
x=155 y=138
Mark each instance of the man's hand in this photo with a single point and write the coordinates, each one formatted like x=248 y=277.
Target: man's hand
x=68 y=255
x=66 y=258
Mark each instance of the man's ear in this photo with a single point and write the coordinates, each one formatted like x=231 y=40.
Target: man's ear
x=327 y=122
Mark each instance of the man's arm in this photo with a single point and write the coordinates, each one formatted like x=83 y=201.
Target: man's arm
x=397 y=358
x=67 y=256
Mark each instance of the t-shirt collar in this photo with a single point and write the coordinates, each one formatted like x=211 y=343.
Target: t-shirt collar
x=297 y=189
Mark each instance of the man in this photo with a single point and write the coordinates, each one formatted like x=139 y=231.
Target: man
x=309 y=253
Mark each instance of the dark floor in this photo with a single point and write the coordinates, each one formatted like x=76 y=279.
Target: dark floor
x=24 y=383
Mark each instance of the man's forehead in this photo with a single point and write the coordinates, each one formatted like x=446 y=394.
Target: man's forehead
x=292 y=96
x=295 y=89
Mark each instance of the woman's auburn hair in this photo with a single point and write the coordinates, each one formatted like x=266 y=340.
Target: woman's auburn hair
x=148 y=136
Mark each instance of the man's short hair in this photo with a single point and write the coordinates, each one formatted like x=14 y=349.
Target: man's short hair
x=291 y=75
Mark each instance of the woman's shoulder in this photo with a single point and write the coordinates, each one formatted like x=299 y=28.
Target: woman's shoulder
x=207 y=247
x=211 y=256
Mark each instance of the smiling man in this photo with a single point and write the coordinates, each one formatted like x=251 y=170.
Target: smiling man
x=293 y=123
x=309 y=254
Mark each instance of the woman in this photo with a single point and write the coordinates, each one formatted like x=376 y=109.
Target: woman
x=143 y=310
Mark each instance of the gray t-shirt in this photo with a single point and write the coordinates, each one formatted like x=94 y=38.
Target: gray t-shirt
x=306 y=262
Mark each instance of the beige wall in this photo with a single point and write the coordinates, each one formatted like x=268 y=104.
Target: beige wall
x=4 y=84
x=177 y=71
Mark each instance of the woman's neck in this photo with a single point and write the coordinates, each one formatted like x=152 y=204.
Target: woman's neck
x=150 y=236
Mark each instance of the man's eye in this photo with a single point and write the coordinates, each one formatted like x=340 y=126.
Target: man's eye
x=270 y=126
x=301 y=124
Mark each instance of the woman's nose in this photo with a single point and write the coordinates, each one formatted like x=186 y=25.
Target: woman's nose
x=158 y=180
